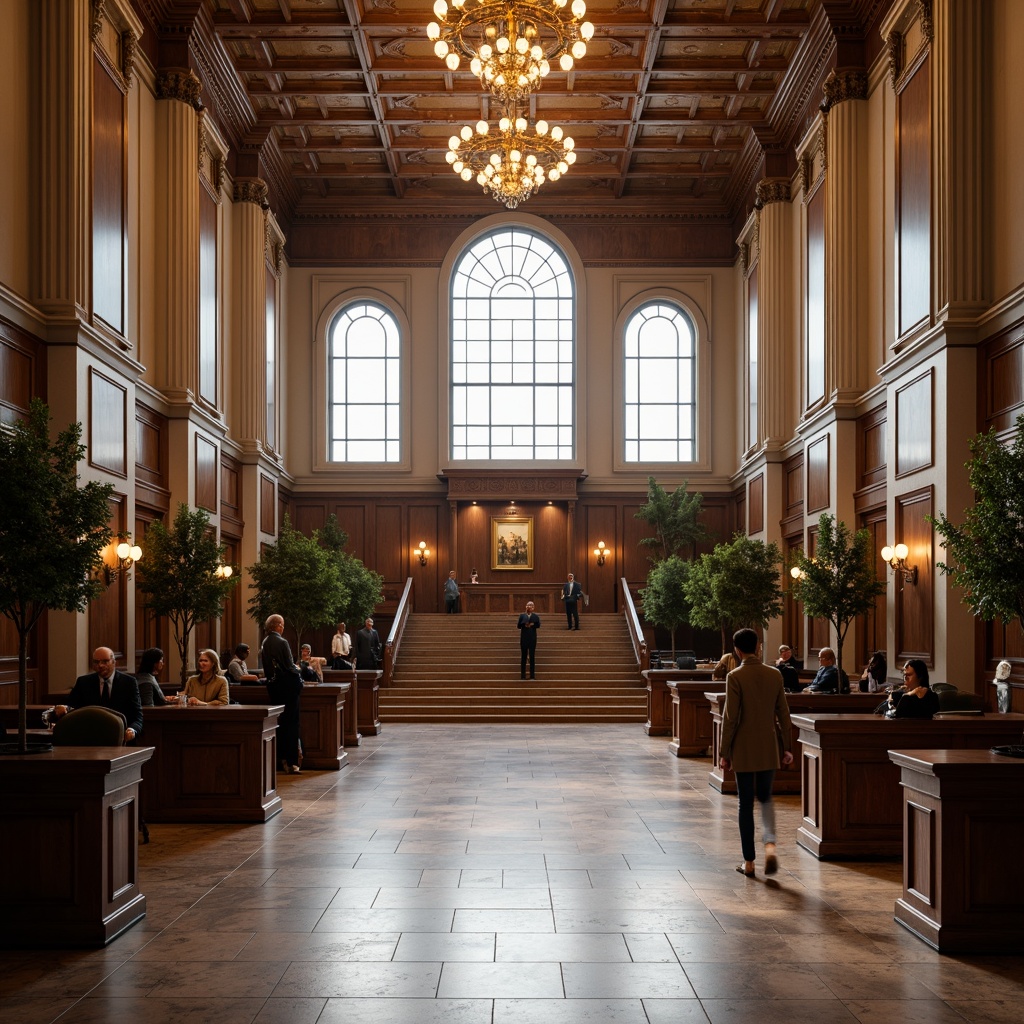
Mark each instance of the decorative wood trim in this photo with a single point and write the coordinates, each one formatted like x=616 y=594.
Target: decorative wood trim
x=108 y=429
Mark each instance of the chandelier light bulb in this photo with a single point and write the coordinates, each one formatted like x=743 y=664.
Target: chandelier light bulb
x=502 y=44
x=475 y=66
x=531 y=161
x=123 y=550
x=466 y=133
x=568 y=143
x=579 y=49
x=482 y=127
x=515 y=156
x=458 y=4
x=441 y=49
x=452 y=60
x=485 y=52
x=542 y=127
x=504 y=124
x=440 y=9
x=465 y=174
x=587 y=31
x=565 y=62
x=520 y=124
x=559 y=3
x=522 y=45
x=433 y=31
x=556 y=133
x=579 y=8
x=451 y=156
x=554 y=174
x=453 y=142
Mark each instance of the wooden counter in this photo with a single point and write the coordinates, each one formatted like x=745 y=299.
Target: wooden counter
x=852 y=802
x=322 y=713
x=365 y=698
x=961 y=817
x=69 y=856
x=211 y=763
x=663 y=708
x=787 y=780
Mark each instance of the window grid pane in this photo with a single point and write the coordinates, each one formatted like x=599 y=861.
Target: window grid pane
x=659 y=385
x=364 y=376
x=513 y=301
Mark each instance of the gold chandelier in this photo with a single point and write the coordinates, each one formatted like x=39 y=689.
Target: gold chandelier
x=510 y=44
x=514 y=162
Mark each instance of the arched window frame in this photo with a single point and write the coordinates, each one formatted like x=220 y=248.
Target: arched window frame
x=692 y=310
x=321 y=405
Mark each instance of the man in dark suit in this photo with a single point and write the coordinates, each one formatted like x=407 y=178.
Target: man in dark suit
x=529 y=623
x=109 y=688
x=284 y=686
x=368 y=648
x=572 y=592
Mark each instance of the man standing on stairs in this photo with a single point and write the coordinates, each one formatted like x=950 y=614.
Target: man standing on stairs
x=451 y=594
x=529 y=623
x=572 y=592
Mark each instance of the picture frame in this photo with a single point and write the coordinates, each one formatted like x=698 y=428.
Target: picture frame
x=512 y=542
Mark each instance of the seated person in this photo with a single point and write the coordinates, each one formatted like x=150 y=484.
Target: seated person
x=109 y=687
x=827 y=678
x=310 y=668
x=210 y=687
x=790 y=678
x=873 y=677
x=725 y=665
x=786 y=658
x=149 y=689
x=238 y=671
x=917 y=699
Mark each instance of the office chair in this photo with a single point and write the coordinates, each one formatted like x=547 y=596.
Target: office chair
x=93 y=726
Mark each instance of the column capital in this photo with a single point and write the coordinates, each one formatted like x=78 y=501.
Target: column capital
x=251 y=190
x=840 y=86
x=179 y=84
x=772 y=190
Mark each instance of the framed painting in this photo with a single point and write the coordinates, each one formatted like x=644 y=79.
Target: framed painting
x=512 y=542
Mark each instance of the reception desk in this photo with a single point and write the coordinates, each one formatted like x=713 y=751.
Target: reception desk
x=961 y=819
x=787 y=780
x=364 y=697
x=664 y=710
x=69 y=857
x=322 y=713
x=852 y=803
x=211 y=764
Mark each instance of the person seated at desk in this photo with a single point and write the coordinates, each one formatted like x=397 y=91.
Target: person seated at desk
x=149 y=689
x=111 y=689
x=916 y=699
x=786 y=658
x=725 y=665
x=873 y=677
x=210 y=687
x=238 y=671
x=310 y=668
x=827 y=678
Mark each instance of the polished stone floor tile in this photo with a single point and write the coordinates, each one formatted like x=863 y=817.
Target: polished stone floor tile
x=407 y=1011
x=500 y=981
x=365 y=979
x=447 y=946
x=624 y=981
x=569 y=1011
x=563 y=948
x=330 y=946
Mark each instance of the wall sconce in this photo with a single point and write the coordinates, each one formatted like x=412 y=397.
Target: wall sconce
x=599 y=552
x=897 y=559
x=797 y=573
x=422 y=552
x=127 y=554
x=224 y=572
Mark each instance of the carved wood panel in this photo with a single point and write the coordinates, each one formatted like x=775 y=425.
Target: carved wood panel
x=268 y=505
x=914 y=425
x=755 y=504
x=109 y=199
x=108 y=430
x=206 y=474
x=818 y=475
x=915 y=605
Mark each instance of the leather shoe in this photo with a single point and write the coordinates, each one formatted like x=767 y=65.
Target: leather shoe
x=743 y=871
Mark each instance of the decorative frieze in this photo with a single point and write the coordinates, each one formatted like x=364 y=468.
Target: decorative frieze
x=925 y=11
x=98 y=14
x=204 y=135
x=846 y=85
x=251 y=190
x=179 y=84
x=894 y=46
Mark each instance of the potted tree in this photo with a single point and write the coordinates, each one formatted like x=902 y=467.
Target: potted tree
x=675 y=518
x=839 y=582
x=182 y=575
x=985 y=553
x=52 y=534
x=363 y=586
x=664 y=597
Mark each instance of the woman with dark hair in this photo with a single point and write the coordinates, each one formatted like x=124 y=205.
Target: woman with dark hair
x=873 y=677
x=918 y=699
x=149 y=689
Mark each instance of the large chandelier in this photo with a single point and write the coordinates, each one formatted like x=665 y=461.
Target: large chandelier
x=512 y=163
x=510 y=44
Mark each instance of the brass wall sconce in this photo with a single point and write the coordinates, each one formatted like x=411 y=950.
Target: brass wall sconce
x=600 y=552
x=797 y=573
x=422 y=552
x=897 y=558
x=224 y=572
x=127 y=554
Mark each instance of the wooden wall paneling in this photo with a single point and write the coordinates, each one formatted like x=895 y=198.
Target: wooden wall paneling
x=150 y=631
x=389 y=557
x=871 y=448
x=209 y=317
x=752 y=357
x=22 y=371
x=268 y=505
x=600 y=582
x=424 y=523
x=551 y=554
x=871 y=630
x=815 y=299
x=793 y=470
x=818 y=488
x=152 y=485
x=635 y=560
x=308 y=516
x=474 y=538
x=234 y=604
x=915 y=605
x=818 y=630
x=914 y=425
x=1001 y=380
x=792 y=612
x=230 y=493
x=108 y=427
x=109 y=198
x=913 y=199
x=207 y=462
x=107 y=617
x=755 y=504
x=352 y=519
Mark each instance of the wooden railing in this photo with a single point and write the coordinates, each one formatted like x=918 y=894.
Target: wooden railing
x=636 y=633
x=394 y=640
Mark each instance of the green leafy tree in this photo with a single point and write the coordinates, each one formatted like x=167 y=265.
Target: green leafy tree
x=300 y=579
x=839 y=582
x=985 y=554
x=43 y=505
x=180 y=577
x=736 y=585
x=664 y=597
x=675 y=518
x=364 y=587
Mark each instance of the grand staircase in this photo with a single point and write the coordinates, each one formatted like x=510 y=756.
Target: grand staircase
x=465 y=668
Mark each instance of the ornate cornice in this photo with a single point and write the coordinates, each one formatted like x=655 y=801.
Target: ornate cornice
x=98 y=14
x=179 y=84
x=772 y=190
x=927 y=27
x=251 y=190
x=841 y=86
x=894 y=47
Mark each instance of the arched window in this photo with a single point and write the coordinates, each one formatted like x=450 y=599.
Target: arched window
x=513 y=331
x=659 y=385
x=364 y=377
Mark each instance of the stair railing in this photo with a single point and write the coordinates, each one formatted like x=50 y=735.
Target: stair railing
x=394 y=640
x=636 y=633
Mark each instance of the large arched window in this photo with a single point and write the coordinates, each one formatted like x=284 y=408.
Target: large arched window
x=364 y=378
x=659 y=385
x=513 y=331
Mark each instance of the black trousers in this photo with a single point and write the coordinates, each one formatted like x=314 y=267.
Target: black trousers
x=572 y=613
x=524 y=650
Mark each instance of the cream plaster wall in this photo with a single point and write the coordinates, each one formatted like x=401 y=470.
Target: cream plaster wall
x=15 y=90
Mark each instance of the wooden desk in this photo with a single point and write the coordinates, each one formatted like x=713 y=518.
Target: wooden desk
x=852 y=803
x=69 y=857
x=211 y=763
x=787 y=780
x=322 y=714
x=663 y=708
x=961 y=818
x=365 y=698
x=33 y=715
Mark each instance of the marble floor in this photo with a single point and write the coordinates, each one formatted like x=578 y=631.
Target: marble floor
x=499 y=874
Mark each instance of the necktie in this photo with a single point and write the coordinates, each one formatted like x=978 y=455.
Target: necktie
x=106 y=691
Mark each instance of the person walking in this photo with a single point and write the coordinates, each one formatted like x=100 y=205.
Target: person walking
x=755 y=710
x=451 y=594
x=572 y=592
x=529 y=623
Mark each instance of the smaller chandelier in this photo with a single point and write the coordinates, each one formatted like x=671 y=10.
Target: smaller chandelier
x=512 y=164
x=510 y=44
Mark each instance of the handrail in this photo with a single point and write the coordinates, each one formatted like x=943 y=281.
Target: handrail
x=636 y=633
x=394 y=640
